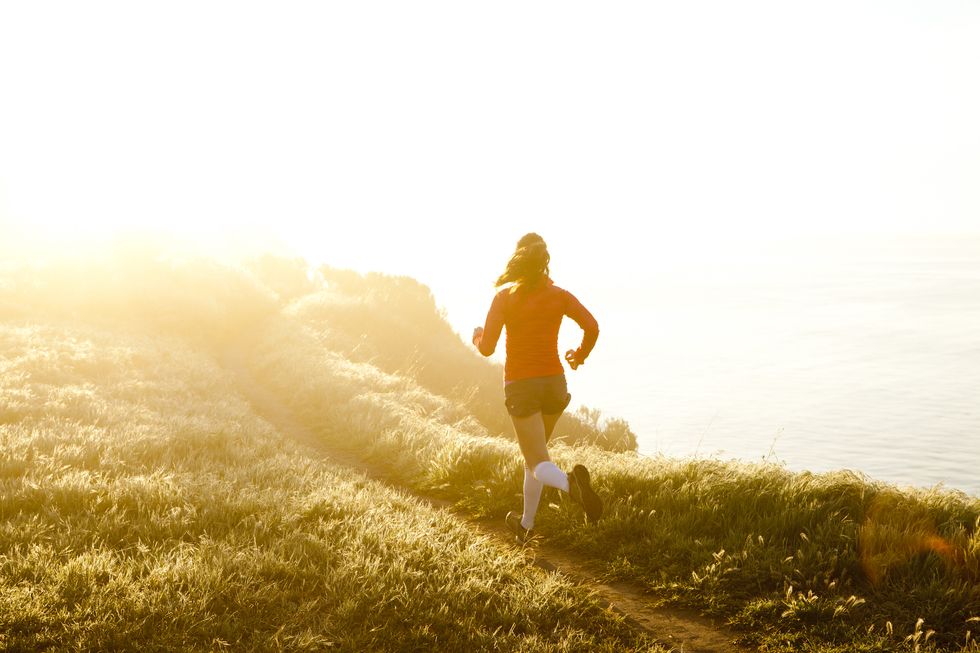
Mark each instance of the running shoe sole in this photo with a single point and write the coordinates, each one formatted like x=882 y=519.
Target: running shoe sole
x=580 y=490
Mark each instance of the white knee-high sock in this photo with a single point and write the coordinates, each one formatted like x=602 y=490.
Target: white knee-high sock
x=549 y=474
x=532 y=497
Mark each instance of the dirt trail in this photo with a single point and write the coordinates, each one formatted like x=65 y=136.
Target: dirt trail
x=685 y=631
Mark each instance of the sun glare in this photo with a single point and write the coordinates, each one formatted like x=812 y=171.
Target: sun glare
x=248 y=249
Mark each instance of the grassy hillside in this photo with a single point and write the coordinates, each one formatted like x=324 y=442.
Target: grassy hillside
x=797 y=562
x=829 y=562
x=143 y=506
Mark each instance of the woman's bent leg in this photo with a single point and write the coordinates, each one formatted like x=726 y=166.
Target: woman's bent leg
x=539 y=471
x=531 y=437
x=549 y=472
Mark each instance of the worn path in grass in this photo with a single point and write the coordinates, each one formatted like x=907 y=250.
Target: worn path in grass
x=684 y=630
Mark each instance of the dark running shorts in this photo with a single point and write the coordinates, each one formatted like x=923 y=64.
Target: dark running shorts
x=544 y=394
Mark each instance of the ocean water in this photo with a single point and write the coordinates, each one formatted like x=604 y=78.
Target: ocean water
x=867 y=360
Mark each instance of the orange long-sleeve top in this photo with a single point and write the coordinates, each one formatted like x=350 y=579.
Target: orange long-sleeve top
x=533 y=317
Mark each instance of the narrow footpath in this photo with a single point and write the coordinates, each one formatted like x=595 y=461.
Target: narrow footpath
x=685 y=631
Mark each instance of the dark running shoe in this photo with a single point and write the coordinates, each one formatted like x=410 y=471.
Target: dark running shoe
x=581 y=492
x=513 y=521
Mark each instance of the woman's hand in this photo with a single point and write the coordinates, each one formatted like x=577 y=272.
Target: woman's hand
x=572 y=359
x=477 y=336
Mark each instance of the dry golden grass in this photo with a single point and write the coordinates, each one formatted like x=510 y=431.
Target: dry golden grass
x=144 y=506
x=783 y=555
x=128 y=446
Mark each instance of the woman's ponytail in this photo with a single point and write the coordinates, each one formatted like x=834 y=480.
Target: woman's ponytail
x=529 y=263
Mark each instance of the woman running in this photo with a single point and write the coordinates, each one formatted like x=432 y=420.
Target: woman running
x=535 y=391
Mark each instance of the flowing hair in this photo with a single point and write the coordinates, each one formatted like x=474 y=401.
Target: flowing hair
x=529 y=263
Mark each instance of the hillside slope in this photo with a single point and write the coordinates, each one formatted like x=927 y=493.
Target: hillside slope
x=144 y=506
x=797 y=561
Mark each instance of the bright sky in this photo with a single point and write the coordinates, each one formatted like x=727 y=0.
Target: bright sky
x=424 y=138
